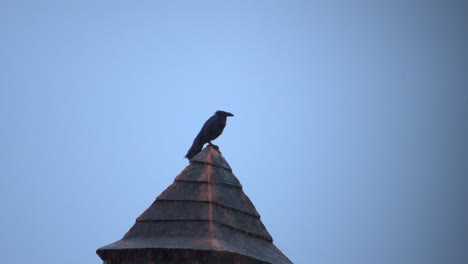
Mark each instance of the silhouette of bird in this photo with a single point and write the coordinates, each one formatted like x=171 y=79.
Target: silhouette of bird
x=212 y=128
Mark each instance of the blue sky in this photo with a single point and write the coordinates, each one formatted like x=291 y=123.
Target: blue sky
x=349 y=133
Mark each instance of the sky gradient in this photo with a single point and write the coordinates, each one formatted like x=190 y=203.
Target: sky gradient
x=349 y=135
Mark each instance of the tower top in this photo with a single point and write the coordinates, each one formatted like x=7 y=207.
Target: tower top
x=203 y=217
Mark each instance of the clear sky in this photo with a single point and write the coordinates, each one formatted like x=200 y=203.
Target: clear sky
x=349 y=135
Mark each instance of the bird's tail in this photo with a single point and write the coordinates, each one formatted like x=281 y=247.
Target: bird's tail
x=194 y=149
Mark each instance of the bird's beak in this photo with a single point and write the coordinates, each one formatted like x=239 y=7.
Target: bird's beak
x=229 y=114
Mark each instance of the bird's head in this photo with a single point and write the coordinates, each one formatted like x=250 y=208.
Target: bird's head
x=223 y=113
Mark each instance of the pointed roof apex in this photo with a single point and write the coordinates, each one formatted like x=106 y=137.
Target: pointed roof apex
x=213 y=156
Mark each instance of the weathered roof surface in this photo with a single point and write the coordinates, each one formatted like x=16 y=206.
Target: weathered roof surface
x=203 y=217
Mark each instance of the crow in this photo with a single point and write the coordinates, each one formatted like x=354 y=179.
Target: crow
x=212 y=128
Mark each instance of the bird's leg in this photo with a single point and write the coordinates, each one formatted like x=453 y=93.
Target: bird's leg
x=213 y=145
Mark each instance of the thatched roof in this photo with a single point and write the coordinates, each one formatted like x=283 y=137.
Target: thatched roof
x=203 y=217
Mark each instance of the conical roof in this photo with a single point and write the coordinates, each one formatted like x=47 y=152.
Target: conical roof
x=203 y=217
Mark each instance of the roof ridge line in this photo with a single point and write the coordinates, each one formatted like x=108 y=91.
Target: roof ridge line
x=220 y=183
x=214 y=165
x=212 y=202
x=214 y=221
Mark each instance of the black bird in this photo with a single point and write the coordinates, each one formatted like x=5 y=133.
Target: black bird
x=212 y=128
